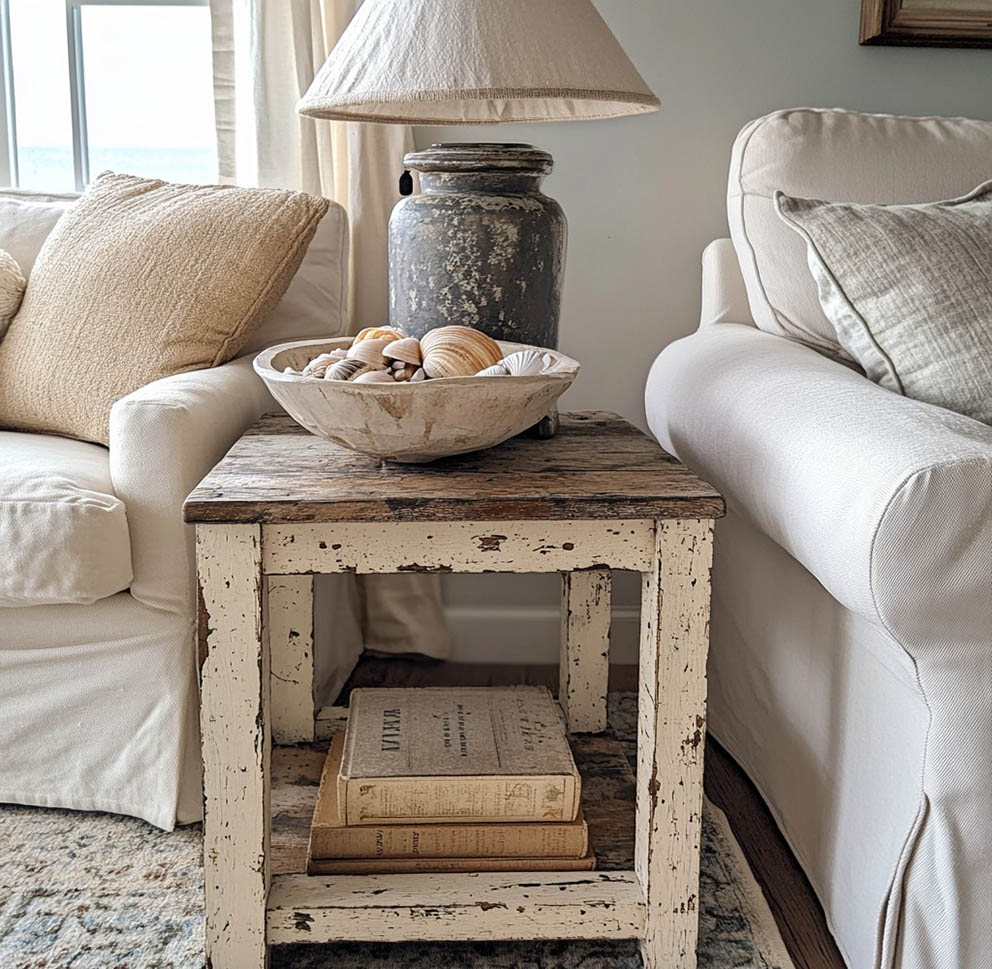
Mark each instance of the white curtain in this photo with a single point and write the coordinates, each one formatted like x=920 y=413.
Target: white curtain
x=265 y=53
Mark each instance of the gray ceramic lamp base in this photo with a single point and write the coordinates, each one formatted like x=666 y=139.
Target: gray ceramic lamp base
x=480 y=246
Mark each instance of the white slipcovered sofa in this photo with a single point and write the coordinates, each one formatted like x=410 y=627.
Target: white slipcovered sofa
x=97 y=688
x=851 y=662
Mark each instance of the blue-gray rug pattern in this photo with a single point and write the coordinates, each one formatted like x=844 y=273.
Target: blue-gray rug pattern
x=96 y=891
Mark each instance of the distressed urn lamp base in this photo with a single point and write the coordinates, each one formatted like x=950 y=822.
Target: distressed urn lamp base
x=480 y=246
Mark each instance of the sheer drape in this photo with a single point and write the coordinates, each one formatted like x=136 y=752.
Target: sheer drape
x=265 y=54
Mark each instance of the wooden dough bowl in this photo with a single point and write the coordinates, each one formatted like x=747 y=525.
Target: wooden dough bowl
x=412 y=422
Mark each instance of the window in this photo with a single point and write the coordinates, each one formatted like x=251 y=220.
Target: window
x=88 y=85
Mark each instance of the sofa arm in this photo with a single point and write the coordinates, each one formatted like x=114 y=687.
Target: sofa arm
x=164 y=438
x=886 y=500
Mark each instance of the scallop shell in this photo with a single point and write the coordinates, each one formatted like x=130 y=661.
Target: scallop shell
x=458 y=351
x=527 y=363
x=348 y=370
x=387 y=333
x=496 y=370
x=374 y=377
x=368 y=351
x=408 y=350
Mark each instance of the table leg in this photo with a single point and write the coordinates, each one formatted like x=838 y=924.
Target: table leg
x=675 y=609
x=584 y=662
x=291 y=646
x=234 y=695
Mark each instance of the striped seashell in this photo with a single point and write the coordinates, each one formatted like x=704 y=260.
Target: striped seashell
x=408 y=350
x=317 y=366
x=368 y=351
x=458 y=351
x=387 y=333
x=348 y=370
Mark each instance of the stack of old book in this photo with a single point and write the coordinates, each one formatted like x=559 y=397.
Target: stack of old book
x=441 y=780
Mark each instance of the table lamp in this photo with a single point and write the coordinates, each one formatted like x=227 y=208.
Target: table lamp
x=481 y=245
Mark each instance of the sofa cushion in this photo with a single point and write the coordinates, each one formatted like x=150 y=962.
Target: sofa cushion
x=908 y=289
x=63 y=532
x=141 y=279
x=314 y=307
x=26 y=219
x=845 y=157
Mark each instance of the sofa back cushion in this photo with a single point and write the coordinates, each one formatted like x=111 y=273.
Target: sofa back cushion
x=141 y=279
x=840 y=156
x=26 y=218
x=314 y=307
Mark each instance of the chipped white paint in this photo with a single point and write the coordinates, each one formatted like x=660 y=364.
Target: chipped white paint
x=527 y=546
x=290 y=627
x=584 y=662
x=402 y=908
x=329 y=721
x=234 y=695
x=657 y=902
x=675 y=610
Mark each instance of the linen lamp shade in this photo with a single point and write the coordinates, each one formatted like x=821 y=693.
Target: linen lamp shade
x=476 y=62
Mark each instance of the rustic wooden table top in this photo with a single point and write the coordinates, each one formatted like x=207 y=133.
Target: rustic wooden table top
x=597 y=467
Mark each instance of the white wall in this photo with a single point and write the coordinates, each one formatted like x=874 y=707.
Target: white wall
x=644 y=195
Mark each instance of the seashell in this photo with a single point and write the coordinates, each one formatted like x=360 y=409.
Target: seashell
x=317 y=366
x=291 y=372
x=374 y=377
x=368 y=351
x=527 y=363
x=497 y=370
x=418 y=375
x=387 y=333
x=339 y=354
x=397 y=365
x=458 y=351
x=348 y=370
x=407 y=350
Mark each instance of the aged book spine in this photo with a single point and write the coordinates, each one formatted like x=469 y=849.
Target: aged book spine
x=439 y=800
x=400 y=866
x=556 y=840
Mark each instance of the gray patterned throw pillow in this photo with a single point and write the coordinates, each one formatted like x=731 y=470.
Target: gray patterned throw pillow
x=909 y=290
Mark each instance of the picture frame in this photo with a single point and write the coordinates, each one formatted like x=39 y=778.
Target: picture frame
x=927 y=23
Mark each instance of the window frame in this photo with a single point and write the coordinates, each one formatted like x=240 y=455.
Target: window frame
x=9 y=174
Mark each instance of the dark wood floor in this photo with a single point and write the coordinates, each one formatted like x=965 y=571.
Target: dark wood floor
x=790 y=897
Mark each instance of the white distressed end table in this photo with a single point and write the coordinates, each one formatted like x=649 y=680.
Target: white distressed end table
x=284 y=505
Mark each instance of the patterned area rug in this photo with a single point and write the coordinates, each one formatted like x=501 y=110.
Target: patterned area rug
x=97 y=891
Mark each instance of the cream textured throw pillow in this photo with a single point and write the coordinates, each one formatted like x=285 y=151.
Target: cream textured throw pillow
x=909 y=290
x=141 y=279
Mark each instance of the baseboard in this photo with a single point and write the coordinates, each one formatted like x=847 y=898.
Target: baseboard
x=528 y=635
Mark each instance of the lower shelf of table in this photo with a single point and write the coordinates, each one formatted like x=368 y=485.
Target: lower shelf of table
x=407 y=908
x=426 y=907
